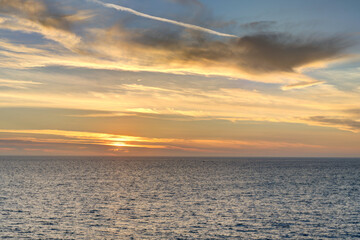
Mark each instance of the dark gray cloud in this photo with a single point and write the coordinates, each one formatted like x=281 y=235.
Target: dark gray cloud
x=258 y=53
x=269 y=52
x=345 y=123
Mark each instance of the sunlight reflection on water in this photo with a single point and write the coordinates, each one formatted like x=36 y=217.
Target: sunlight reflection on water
x=184 y=198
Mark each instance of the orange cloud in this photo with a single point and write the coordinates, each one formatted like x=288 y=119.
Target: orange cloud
x=126 y=142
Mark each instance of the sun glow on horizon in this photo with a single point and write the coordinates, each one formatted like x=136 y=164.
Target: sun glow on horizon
x=91 y=77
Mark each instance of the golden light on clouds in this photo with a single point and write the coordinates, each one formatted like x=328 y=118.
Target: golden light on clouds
x=44 y=137
x=130 y=81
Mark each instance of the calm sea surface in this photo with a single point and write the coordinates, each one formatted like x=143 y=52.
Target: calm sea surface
x=179 y=198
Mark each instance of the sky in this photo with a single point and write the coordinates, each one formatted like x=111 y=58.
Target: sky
x=180 y=78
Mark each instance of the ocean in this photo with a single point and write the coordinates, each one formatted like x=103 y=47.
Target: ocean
x=179 y=198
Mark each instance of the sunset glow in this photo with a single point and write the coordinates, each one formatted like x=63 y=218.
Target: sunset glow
x=179 y=78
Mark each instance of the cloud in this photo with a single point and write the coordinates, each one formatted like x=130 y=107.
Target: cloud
x=178 y=23
x=268 y=52
x=16 y=84
x=48 y=139
x=299 y=85
x=258 y=25
x=347 y=124
x=265 y=57
x=42 y=17
x=67 y=39
x=37 y=11
x=354 y=111
x=188 y=2
x=226 y=103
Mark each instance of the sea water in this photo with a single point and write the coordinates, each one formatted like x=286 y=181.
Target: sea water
x=179 y=198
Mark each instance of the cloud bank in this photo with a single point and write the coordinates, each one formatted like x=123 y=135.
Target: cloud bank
x=265 y=57
x=112 y=143
x=175 y=48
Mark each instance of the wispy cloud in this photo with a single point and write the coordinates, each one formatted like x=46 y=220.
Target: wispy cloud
x=354 y=111
x=347 y=124
x=17 y=84
x=36 y=11
x=182 y=24
x=258 y=25
x=299 y=85
x=41 y=17
x=30 y=139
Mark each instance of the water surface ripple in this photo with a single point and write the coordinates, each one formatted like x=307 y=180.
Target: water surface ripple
x=179 y=198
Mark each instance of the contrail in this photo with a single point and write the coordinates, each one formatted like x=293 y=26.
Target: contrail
x=186 y=25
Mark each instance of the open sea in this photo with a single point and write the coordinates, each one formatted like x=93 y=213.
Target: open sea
x=179 y=198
